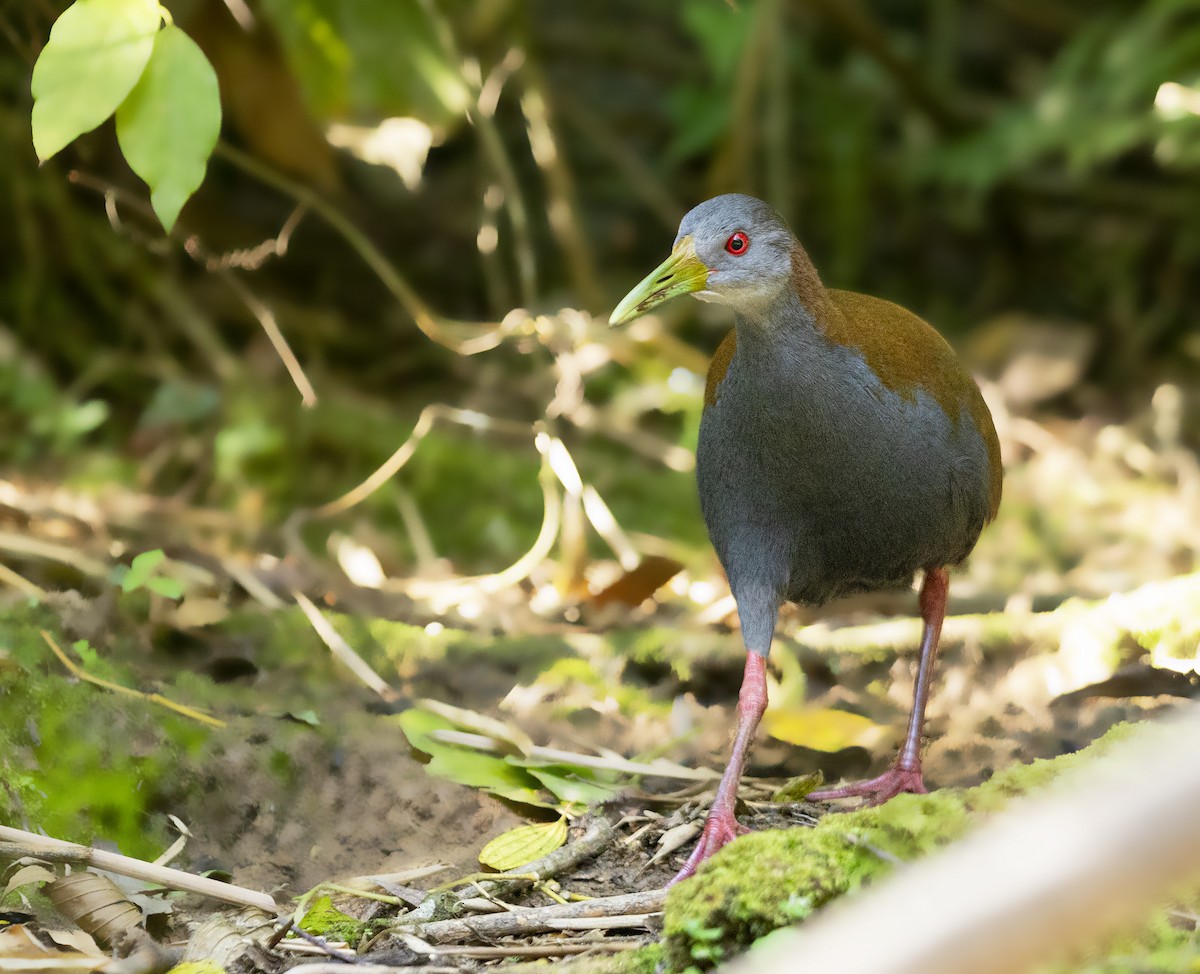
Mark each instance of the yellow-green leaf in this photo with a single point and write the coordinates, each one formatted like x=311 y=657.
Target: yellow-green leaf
x=96 y=52
x=523 y=845
x=822 y=729
x=168 y=125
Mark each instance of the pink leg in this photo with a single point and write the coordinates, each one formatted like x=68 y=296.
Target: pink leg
x=721 y=826
x=905 y=772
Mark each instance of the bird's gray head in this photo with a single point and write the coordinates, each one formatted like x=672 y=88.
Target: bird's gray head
x=732 y=249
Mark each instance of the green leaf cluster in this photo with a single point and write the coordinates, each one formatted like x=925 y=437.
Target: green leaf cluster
x=114 y=57
x=513 y=777
x=144 y=573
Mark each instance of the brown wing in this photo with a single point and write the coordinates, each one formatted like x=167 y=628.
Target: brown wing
x=906 y=353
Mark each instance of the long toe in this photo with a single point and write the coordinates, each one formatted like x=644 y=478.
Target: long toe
x=876 y=791
x=720 y=829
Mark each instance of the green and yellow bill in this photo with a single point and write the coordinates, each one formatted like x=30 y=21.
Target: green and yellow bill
x=681 y=273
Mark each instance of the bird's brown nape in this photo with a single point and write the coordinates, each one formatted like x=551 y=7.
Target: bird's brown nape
x=719 y=366
x=807 y=284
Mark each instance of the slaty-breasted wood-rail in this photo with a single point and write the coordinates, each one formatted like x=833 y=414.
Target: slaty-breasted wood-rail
x=843 y=448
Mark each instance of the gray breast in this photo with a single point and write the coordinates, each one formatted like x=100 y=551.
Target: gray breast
x=816 y=480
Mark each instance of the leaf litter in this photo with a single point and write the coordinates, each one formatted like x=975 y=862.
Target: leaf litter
x=501 y=743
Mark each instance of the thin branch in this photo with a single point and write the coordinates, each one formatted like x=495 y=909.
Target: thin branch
x=619 y=909
x=18 y=581
x=483 y=336
x=343 y=651
x=595 y=839
x=79 y=673
x=404 y=452
x=657 y=769
x=20 y=843
x=223 y=363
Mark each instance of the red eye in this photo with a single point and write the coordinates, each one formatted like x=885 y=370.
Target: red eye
x=738 y=244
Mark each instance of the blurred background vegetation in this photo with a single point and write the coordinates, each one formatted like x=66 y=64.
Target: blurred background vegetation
x=429 y=201
x=407 y=245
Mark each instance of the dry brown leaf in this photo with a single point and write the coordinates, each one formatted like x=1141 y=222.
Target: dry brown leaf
x=28 y=875
x=23 y=952
x=638 y=584
x=95 y=903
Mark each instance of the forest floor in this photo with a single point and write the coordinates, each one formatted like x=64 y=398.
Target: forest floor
x=413 y=744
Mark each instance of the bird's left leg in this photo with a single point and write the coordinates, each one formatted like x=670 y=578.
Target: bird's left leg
x=722 y=826
x=905 y=772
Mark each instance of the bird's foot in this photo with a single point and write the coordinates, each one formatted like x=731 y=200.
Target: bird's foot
x=876 y=791
x=720 y=829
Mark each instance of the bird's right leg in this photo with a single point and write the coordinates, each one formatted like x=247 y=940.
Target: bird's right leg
x=722 y=827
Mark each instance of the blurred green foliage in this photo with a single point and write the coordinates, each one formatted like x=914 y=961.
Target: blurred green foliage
x=966 y=159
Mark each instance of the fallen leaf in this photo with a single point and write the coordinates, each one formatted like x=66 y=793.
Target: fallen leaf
x=820 y=728
x=638 y=584
x=523 y=845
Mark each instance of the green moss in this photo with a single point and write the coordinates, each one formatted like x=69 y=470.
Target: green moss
x=80 y=762
x=768 y=880
x=1159 y=946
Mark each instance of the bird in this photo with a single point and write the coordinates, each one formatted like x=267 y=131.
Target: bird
x=843 y=448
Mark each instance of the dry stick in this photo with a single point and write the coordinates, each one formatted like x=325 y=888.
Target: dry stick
x=487 y=335
x=343 y=650
x=557 y=755
x=82 y=674
x=325 y=967
x=595 y=839
x=20 y=544
x=404 y=452
x=538 y=919
x=1050 y=875
x=20 y=843
x=222 y=267
x=21 y=583
x=270 y=327
x=560 y=185
x=467 y=586
x=609 y=946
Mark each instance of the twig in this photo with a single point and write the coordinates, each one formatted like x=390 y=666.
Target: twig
x=270 y=327
x=610 y=945
x=595 y=839
x=20 y=582
x=223 y=362
x=625 y=921
x=82 y=674
x=19 y=544
x=536 y=920
x=484 y=336
x=469 y=418
x=252 y=258
x=665 y=769
x=325 y=967
x=343 y=650
x=458 y=590
x=22 y=843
